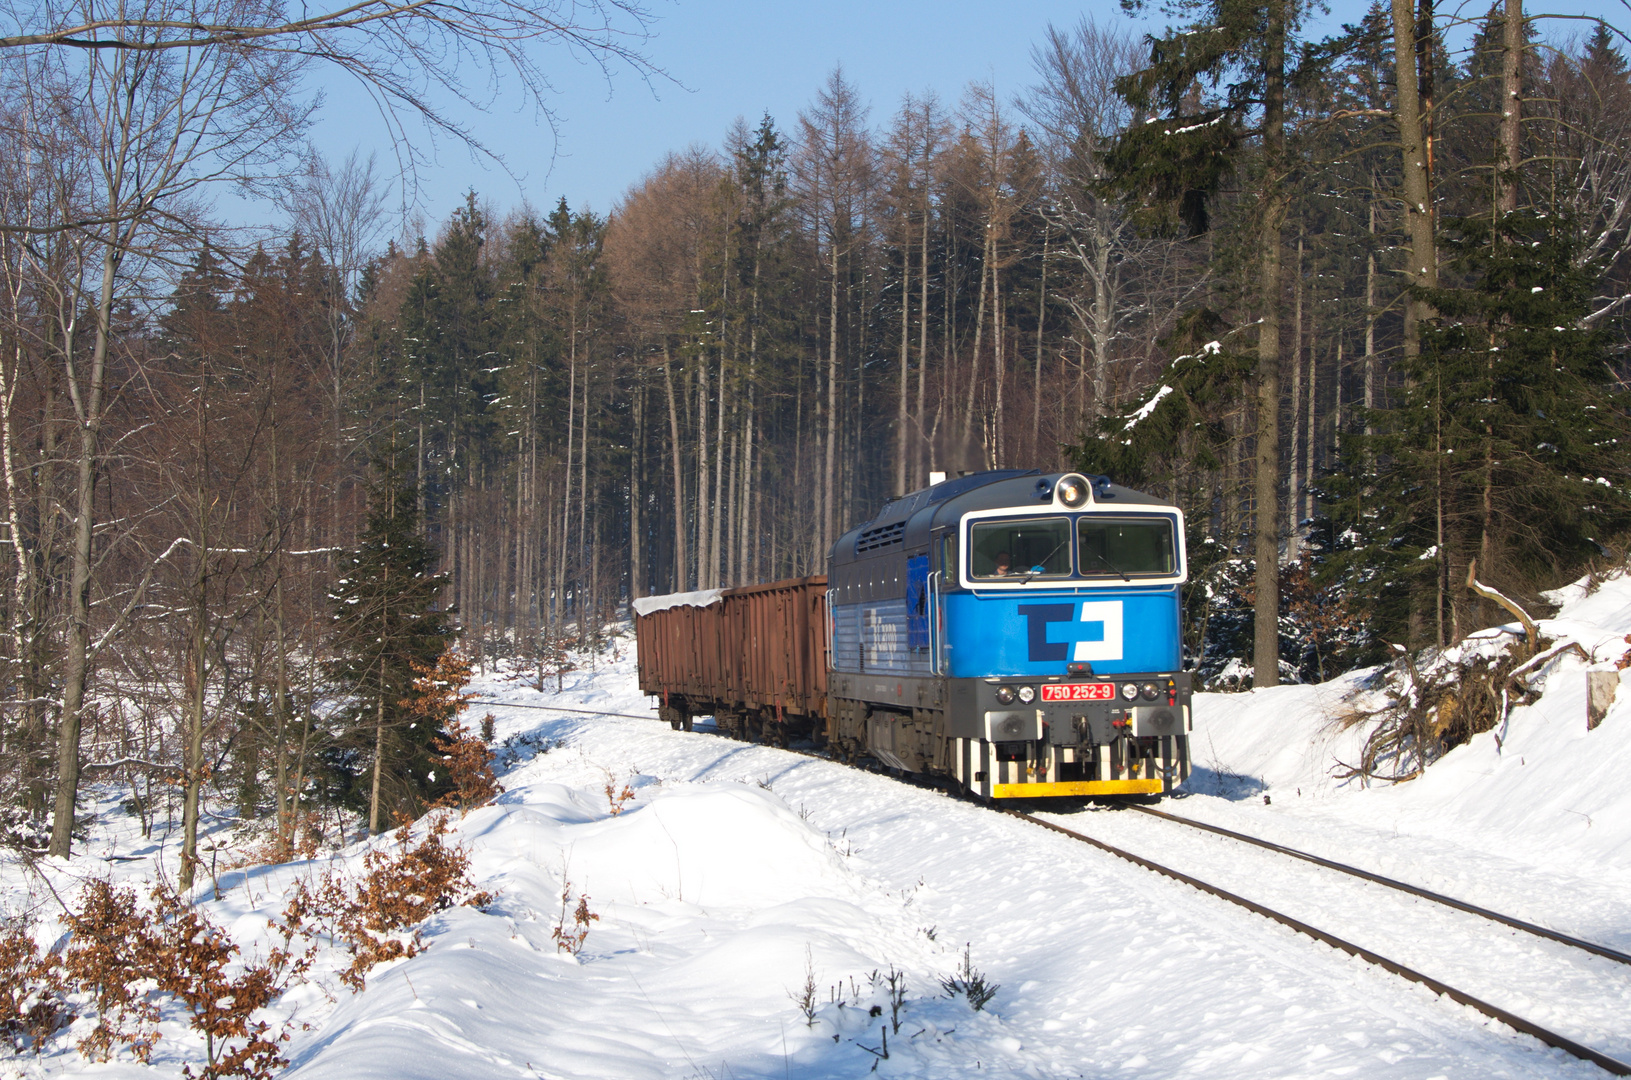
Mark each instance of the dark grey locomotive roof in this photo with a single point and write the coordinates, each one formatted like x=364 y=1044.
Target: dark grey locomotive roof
x=906 y=522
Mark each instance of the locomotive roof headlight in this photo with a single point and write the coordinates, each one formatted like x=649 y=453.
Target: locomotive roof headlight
x=1072 y=491
x=1005 y=694
x=1129 y=691
x=1151 y=691
x=1027 y=694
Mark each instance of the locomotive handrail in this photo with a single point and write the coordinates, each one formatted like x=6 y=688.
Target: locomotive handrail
x=933 y=585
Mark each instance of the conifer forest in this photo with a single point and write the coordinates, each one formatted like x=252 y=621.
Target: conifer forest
x=1354 y=296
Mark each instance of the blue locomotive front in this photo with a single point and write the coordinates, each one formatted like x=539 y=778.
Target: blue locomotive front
x=1016 y=632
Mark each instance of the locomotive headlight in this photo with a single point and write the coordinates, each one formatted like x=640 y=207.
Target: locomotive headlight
x=1129 y=691
x=1005 y=694
x=1151 y=691
x=1072 y=490
x=1027 y=694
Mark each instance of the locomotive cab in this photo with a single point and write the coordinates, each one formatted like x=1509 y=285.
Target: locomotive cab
x=1016 y=632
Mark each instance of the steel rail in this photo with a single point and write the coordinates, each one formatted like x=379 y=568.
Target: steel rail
x=1494 y=1012
x=1405 y=887
x=562 y=708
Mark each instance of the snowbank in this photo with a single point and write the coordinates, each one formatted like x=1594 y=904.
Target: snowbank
x=1542 y=805
x=751 y=907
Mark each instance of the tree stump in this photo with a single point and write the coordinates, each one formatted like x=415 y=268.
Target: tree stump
x=1600 y=687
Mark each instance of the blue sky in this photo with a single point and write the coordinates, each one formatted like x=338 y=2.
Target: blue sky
x=730 y=58
x=740 y=58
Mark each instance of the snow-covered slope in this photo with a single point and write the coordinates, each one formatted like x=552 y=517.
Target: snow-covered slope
x=752 y=906
x=1543 y=804
x=738 y=873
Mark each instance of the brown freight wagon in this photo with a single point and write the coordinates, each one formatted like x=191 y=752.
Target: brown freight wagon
x=754 y=658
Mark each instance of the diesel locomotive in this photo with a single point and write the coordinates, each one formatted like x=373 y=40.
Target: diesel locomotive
x=1015 y=632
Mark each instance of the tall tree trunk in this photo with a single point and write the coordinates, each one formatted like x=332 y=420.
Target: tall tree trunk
x=379 y=752
x=584 y=539
x=1293 y=474
x=1506 y=168
x=637 y=584
x=557 y=622
x=919 y=473
x=1370 y=328
x=704 y=475
x=1313 y=401
x=87 y=403
x=720 y=509
x=1415 y=162
x=193 y=762
x=680 y=561
x=1036 y=374
x=999 y=365
x=974 y=357
x=1266 y=645
x=829 y=518
x=1103 y=320
x=905 y=361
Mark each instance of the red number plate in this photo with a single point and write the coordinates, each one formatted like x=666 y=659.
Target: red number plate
x=1081 y=691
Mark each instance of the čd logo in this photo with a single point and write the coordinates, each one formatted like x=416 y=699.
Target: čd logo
x=1056 y=632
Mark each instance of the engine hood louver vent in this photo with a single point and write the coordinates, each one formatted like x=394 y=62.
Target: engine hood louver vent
x=881 y=537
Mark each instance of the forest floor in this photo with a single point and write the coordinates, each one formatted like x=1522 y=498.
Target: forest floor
x=760 y=913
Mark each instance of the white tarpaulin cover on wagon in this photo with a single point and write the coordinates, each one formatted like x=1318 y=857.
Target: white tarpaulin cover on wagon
x=645 y=605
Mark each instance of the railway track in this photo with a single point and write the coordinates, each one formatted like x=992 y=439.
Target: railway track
x=1518 y=1023
x=1405 y=887
x=1545 y=1035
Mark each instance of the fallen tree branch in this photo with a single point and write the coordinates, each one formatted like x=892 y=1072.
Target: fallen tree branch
x=1495 y=596
x=1541 y=658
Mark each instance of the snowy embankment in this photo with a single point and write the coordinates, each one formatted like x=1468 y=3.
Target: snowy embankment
x=1533 y=819
x=752 y=905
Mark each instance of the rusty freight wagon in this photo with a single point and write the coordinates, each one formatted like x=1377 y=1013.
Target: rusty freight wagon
x=754 y=658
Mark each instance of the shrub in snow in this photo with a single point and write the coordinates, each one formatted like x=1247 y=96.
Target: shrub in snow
x=805 y=999
x=466 y=777
x=570 y=939
x=130 y=957
x=32 y=1007
x=615 y=797
x=376 y=918
x=469 y=762
x=970 y=982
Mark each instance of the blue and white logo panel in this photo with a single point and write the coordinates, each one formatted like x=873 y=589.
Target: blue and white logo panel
x=1011 y=635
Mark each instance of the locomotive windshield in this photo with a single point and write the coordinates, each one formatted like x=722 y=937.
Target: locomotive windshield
x=1123 y=547
x=1034 y=546
x=1093 y=546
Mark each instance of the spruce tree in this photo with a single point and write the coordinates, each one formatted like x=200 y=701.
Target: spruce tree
x=386 y=620
x=1179 y=159
x=1509 y=443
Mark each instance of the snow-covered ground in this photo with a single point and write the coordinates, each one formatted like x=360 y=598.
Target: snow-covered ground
x=738 y=875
